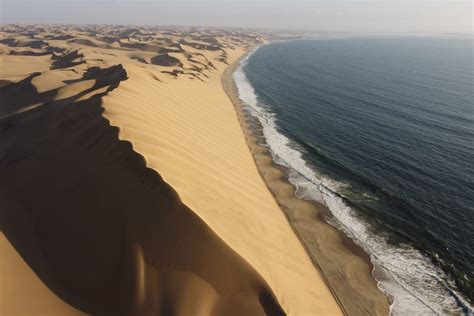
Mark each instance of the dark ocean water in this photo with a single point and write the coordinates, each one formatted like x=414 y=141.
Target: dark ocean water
x=382 y=131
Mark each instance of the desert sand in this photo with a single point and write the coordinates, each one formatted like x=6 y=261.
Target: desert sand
x=128 y=186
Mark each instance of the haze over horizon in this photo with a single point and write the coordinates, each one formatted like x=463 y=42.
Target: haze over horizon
x=386 y=16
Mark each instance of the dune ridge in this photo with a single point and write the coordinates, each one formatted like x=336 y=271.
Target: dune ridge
x=103 y=232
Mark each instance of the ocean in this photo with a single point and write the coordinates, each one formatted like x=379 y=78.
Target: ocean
x=380 y=130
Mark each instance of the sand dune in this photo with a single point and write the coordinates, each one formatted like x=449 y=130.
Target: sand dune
x=203 y=155
x=102 y=231
x=153 y=205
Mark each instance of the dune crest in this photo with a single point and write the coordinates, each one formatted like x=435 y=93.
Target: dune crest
x=102 y=231
x=127 y=184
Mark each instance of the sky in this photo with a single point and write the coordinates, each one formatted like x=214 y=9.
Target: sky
x=381 y=16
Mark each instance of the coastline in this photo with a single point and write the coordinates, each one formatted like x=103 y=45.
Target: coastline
x=178 y=165
x=176 y=136
x=345 y=267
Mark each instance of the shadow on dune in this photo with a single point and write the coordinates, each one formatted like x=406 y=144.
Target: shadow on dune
x=165 y=60
x=101 y=230
x=32 y=43
x=69 y=59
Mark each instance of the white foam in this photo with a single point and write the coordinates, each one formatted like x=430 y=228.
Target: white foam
x=415 y=284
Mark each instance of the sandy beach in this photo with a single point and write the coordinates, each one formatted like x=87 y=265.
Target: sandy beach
x=132 y=184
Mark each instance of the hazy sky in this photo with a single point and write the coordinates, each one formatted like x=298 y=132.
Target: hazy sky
x=336 y=15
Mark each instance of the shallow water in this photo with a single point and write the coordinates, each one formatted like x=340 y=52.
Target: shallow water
x=380 y=130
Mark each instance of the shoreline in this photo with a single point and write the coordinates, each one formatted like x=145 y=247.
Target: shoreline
x=214 y=173
x=179 y=171
x=175 y=120
x=361 y=296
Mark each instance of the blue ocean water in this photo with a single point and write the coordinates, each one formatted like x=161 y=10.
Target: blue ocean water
x=381 y=130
